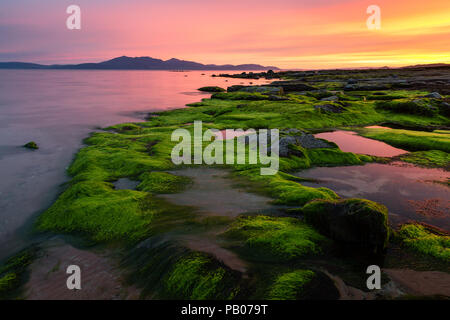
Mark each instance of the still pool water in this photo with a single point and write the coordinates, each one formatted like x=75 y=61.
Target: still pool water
x=409 y=192
x=349 y=141
x=58 y=109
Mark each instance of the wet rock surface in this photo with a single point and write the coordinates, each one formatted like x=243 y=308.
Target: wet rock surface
x=302 y=139
x=356 y=221
x=329 y=108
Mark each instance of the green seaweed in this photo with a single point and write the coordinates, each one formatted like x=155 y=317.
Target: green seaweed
x=13 y=273
x=212 y=89
x=425 y=241
x=276 y=238
x=288 y=285
x=200 y=277
x=410 y=140
x=162 y=182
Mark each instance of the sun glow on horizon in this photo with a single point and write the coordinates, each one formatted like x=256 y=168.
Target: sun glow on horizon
x=289 y=34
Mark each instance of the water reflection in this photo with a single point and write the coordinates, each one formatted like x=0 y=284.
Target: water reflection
x=404 y=189
x=349 y=141
x=58 y=109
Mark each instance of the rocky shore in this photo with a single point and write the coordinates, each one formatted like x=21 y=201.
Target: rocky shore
x=315 y=244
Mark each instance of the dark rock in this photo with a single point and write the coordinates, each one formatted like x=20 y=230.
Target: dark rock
x=329 y=108
x=308 y=141
x=262 y=89
x=31 y=145
x=350 y=87
x=354 y=221
x=434 y=95
x=211 y=89
x=291 y=86
x=235 y=88
x=277 y=98
x=444 y=109
x=330 y=98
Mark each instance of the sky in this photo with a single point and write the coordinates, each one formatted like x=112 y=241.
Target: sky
x=303 y=34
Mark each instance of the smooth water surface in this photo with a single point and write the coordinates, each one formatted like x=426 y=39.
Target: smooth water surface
x=58 y=109
x=349 y=141
x=409 y=192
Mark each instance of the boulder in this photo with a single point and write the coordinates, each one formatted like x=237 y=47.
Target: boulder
x=292 y=86
x=256 y=89
x=273 y=97
x=262 y=89
x=350 y=87
x=434 y=95
x=31 y=145
x=353 y=221
x=331 y=98
x=211 y=89
x=329 y=108
x=235 y=88
x=444 y=109
x=304 y=140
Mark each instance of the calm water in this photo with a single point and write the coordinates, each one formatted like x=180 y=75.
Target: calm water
x=57 y=109
x=349 y=141
x=409 y=192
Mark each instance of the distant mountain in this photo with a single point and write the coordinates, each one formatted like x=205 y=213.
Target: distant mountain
x=138 y=63
x=432 y=65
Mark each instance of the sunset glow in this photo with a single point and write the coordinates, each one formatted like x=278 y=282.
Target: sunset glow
x=288 y=34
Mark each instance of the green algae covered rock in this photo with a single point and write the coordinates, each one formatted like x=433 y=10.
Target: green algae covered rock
x=354 y=221
x=198 y=276
x=31 y=145
x=211 y=89
x=14 y=271
x=303 y=285
x=426 y=241
x=162 y=182
x=275 y=238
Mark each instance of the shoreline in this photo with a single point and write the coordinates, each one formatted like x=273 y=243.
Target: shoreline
x=147 y=131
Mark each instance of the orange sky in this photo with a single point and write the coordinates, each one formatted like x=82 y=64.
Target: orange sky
x=285 y=33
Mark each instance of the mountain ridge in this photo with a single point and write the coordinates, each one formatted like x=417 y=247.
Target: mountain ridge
x=137 y=63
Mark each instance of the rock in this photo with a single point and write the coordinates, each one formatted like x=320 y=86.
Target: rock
x=31 y=145
x=444 y=109
x=285 y=149
x=235 y=88
x=262 y=89
x=331 y=98
x=256 y=89
x=211 y=89
x=304 y=140
x=353 y=221
x=291 y=130
x=329 y=108
x=434 y=95
x=291 y=86
x=352 y=81
x=273 y=97
x=350 y=87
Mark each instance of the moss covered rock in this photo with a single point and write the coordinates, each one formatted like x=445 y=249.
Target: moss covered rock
x=198 y=276
x=31 y=145
x=211 y=89
x=162 y=182
x=354 y=221
x=275 y=238
x=426 y=241
x=303 y=285
x=13 y=273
